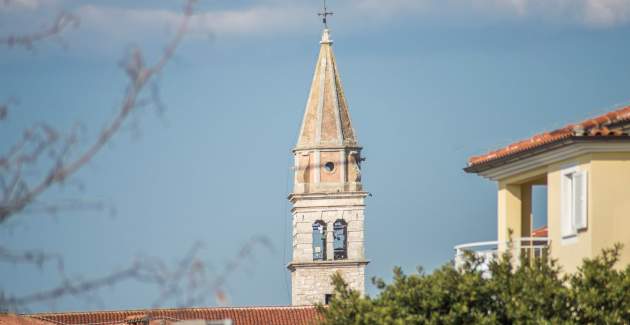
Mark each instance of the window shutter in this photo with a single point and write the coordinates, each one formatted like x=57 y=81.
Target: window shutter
x=580 y=200
x=566 y=193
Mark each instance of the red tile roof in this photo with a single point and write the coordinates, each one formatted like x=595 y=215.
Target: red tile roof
x=12 y=319
x=541 y=232
x=604 y=127
x=307 y=315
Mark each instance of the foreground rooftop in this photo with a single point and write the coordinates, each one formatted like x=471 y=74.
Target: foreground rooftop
x=611 y=126
x=236 y=316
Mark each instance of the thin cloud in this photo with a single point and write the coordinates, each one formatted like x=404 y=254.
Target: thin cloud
x=379 y=8
x=249 y=21
x=606 y=13
x=265 y=18
x=588 y=13
x=17 y=5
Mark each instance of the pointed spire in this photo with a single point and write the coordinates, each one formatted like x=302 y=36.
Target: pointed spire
x=326 y=120
x=326 y=37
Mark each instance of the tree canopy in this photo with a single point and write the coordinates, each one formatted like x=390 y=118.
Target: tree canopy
x=536 y=292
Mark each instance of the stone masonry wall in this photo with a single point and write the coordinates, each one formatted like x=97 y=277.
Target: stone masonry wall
x=311 y=284
x=311 y=280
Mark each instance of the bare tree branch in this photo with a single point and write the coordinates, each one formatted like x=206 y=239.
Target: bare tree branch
x=17 y=193
x=4 y=111
x=187 y=277
x=199 y=289
x=71 y=288
x=246 y=252
x=189 y=281
x=65 y=206
x=63 y=21
x=34 y=257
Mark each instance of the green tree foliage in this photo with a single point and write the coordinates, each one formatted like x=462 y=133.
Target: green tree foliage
x=535 y=292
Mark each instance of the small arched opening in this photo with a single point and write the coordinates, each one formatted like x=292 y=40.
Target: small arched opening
x=340 y=239
x=319 y=241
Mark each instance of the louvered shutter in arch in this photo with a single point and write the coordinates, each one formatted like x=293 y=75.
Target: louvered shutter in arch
x=319 y=241
x=340 y=243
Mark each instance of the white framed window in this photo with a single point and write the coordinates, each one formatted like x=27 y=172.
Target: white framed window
x=574 y=200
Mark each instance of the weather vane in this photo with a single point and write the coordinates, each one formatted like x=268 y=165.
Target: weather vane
x=324 y=14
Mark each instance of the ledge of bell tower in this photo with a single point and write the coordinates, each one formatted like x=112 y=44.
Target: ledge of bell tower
x=334 y=263
x=331 y=201
x=339 y=196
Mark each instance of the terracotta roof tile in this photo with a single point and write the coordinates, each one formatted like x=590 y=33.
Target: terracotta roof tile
x=12 y=319
x=240 y=316
x=594 y=127
x=541 y=232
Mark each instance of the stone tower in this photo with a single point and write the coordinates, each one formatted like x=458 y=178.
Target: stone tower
x=328 y=197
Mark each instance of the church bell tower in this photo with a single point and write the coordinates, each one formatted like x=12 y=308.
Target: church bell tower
x=328 y=197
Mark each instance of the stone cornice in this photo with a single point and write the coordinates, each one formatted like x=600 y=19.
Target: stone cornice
x=331 y=195
x=331 y=147
x=327 y=264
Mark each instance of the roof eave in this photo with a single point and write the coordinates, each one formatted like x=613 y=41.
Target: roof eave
x=511 y=158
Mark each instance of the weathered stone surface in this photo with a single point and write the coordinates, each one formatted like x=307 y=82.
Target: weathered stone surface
x=326 y=117
x=327 y=154
x=327 y=188
x=311 y=284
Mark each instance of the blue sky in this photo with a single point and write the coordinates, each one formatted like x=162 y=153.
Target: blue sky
x=429 y=83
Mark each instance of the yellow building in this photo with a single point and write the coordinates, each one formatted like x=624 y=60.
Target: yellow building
x=586 y=170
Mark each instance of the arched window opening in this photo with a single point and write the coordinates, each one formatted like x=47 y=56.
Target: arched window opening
x=319 y=241
x=340 y=243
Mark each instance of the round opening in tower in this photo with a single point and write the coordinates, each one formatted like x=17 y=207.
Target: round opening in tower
x=329 y=167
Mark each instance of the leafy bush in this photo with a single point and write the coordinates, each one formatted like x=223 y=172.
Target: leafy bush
x=536 y=292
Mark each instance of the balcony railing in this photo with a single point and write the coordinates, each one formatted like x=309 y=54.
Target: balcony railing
x=491 y=250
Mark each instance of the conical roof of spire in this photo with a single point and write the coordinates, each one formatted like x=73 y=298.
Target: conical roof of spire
x=326 y=120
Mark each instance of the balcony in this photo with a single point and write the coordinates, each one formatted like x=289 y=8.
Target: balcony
x=491 y=250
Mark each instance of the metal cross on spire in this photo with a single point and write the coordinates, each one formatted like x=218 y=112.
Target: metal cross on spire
x=324 y=14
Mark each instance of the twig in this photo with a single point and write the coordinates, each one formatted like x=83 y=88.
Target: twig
x=63 y=21
x=35 y=257
x=187 y=277
x=139 y=77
